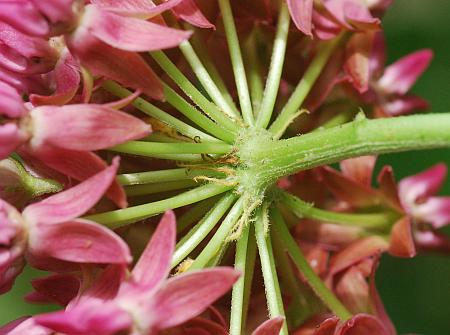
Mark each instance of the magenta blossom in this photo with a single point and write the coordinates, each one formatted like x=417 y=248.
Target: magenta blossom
x=146 y=302
x=49 y=232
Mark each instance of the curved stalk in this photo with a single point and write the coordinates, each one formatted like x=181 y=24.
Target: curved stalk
x=205 y=79
x=303 y=266
x=148 y=149
x=271 y=284
x=276 y=67
x=122 y=217
x=197 y=234
x=154 y=188
x=192 y=92
x=236 y=61
x=195 y=213
x=305 y=85
x=149 y=109
x=305 y=210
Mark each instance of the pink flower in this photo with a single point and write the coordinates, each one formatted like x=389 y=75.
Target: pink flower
x=49 y=233
x=146 y=302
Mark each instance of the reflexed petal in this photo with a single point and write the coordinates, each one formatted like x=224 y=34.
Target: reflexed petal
x=352 y=14
x=401 y=76
x=189 y=12
x=378 y=55
x=187 y=295
x=131 y=34
x=78 y=241
x=29 y=21
x=388 y=187
x=73 y=202
x=359 y=169
x=90 y=316
x=356 y=252
x=24 y=326
x=143 y=9
x=435 y=210
x=154 y=264
x=59 y=288
x=422 y=185
x=11 y=103
x=401 y=243
x=352 y=290
x=361 y=324
x=270 y=327
x=80 y=165
x=86 y=127
x=107 y=284
x=404 y=105
x=10 y=138
x=301 y=13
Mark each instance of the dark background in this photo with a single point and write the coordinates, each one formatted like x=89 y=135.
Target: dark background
x=416 y=292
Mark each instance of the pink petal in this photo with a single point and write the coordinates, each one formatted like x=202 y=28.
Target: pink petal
x=131 y=34
x=422 y=185
x=352 y=290
x=346 y=189
x=90 y=316
x=154 y=264
x=188 y=11
x=378 y=55
x=270 y=327
x=67 y=79
x=359 y=16
x=32 y=55
x=59 y=288
x=25 y=326
x=11 y=103
x=127 y=68
x=388 y=187
x=432 y=241
x=29 y=21
x=401 y=76
x=87 y=127
x=404 y=105
x=187 y=295
x=107 y=285
x=10 y=138
x=79 y=165
x=401 y=243
x=435 y=210
x=357 y=64
x=143 y=9
x=78 y=241
x=57 y=11
x=301 y=13
x=359 y=169
x=356 y=252
x=73 y=202
x=361 y=324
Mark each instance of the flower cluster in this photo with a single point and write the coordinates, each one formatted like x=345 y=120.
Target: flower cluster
x=213 y=140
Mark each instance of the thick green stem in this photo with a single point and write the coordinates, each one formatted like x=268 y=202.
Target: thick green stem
x=197 y=234
x=196 y=116
x=122 y=217
x=303 y=209
x=220 y=237
x=291 y=109
x=244 y=262
x=237 y=62
x=276 y=67
x=271 y=284
x=205 y=79
x=303 y=266
x=192 y=92
x=149 y=149
x=271 y=160
x=149 y=109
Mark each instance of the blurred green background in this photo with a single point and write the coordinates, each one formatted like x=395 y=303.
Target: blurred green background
x=416 y=292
